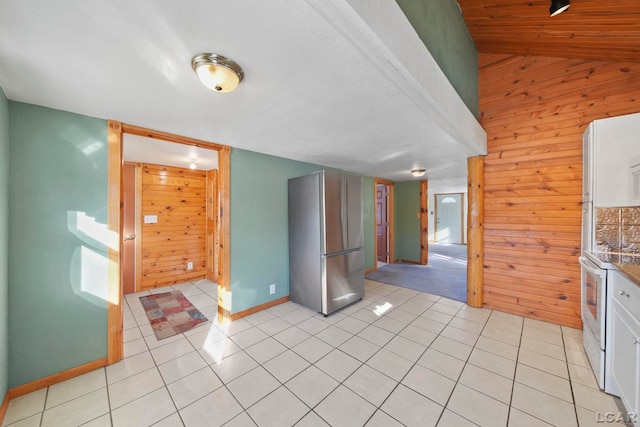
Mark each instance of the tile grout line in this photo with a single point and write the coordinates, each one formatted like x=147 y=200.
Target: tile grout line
x=394 y=335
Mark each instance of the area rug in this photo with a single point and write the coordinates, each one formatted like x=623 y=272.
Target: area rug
x=171 y=313
x=445 y=275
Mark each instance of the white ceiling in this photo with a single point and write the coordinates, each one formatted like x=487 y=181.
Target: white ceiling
x=342 y=83
x=141 y=149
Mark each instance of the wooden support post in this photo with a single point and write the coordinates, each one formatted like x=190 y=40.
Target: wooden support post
x=475 y=240
x=424 y=222
x=115 y=346
x=224 y=234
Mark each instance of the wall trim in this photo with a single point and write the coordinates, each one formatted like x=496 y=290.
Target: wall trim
x=3 y=408
x=409 y=261
x=116 y=130
x=258 y=308
x=424 y=222
x=50 y=380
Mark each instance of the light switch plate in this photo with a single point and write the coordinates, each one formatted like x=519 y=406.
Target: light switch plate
x=150 y=219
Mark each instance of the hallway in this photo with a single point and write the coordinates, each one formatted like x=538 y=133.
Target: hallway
x=445 y=275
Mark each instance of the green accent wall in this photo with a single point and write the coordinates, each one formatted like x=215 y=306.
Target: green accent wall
x=4 y=241
x=406 y=222
x=260 y=225
x=442 y=29
x=57 y=236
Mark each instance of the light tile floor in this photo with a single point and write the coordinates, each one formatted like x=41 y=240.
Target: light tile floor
x=398 y=357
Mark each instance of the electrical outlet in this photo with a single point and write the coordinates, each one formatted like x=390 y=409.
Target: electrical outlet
x=272 y=289
x=189 y=265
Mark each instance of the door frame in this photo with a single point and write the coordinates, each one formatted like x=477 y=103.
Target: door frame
x=435 y=216
x=424 y=222
x=390 y=239
x=115 y=345
x=137 y=231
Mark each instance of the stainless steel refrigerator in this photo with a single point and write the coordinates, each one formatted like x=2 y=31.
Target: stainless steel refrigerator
x=326 y=257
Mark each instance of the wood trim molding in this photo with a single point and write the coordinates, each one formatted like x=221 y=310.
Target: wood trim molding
x=139 y=221
x=223 y=221
x=424 y=222
x=258 y=308
x=224 y=216
x=116 y=130
x=3 y=408
x=475 y=238
x=27 y=388
x=115 y=346
x=164 y=136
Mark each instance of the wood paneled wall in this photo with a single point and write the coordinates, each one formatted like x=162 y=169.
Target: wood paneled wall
x=535 y=110
x=178 y=198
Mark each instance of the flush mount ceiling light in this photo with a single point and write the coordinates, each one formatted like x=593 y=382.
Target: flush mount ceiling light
x=418 y=172
x=559 y=6
x=217 y=72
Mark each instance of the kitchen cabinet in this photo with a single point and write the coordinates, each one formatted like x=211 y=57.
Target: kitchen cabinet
x=624 y=340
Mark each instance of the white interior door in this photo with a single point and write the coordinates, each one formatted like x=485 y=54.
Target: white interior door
x=449 y=218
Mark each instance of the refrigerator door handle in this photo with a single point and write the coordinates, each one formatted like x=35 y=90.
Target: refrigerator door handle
x=343 y=213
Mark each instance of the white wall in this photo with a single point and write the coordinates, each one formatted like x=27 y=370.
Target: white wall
x=443 y=186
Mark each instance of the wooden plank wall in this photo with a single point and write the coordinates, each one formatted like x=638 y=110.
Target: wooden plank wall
x=535 y=110
x=178 y=197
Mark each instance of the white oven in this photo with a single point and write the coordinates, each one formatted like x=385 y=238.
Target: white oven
x=593 y=308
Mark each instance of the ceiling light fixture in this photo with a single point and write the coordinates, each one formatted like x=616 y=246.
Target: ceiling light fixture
x=193 y=164
x=217 y=72
x=418 y=172
x=559 y=6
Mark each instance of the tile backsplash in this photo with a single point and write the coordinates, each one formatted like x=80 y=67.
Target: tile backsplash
x=618 y=230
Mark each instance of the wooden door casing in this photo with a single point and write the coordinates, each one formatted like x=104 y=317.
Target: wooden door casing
x=129 y=228
x=213 y=206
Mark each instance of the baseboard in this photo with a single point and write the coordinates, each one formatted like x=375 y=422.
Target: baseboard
x=3 y=408
x=27 y=388
x=258 y=308
x=408 y=261
x=371 y=270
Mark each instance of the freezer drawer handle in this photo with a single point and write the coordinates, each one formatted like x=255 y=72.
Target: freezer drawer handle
x=624 y=294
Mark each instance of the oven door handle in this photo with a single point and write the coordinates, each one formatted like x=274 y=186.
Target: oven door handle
x=586 y=264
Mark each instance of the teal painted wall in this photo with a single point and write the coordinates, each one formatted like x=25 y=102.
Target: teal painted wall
x=4 y=241
x=57 y=236
x=442 y=29
x=406 y=222
x=260 y=227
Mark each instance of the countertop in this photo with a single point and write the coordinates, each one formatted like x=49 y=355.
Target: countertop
x=632 y=271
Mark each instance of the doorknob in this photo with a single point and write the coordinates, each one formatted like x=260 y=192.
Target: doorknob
x=129 y=236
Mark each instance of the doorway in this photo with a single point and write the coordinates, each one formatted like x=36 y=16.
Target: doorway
x=167 y=190
x=220 y=250
x=449 y=214
x=384 y=222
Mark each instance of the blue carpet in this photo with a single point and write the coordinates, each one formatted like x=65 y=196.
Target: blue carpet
x=445 y=275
